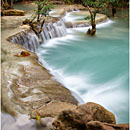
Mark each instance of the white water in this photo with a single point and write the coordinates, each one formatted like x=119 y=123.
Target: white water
x=31 y=41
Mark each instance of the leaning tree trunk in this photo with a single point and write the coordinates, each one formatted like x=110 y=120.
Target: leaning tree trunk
x=92 y=31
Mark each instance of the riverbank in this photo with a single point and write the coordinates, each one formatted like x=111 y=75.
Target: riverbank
x=26 y=85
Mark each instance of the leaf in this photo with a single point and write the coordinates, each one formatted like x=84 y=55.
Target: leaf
x=38 y=117
x=23 y=54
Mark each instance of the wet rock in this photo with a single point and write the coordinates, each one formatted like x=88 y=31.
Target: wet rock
x=96 y=125
x=13 y=12
x=51 y=19
x=76 y=119
x=95 y=112
x=69 y=24
x=52 y=109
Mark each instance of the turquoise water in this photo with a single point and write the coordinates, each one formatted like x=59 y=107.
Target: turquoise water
x=96 y=68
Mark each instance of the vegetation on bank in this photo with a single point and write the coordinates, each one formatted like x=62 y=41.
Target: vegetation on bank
x=44 y=6
x=8 y=4
x=38 y=18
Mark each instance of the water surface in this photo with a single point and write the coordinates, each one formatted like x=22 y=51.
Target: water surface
x=96 y=68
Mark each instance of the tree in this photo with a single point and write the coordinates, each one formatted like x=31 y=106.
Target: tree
x=37 y=21
x=96 y=5
x=114 y=4
x=117 y=3
x=43 y=8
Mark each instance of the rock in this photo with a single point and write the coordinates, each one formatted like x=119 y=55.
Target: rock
x=96 y=125
x=26 y=21
x=69 y=120
x=47 y=123
x=57 y=2
x=52 y=109
x=69 y=24
x=13 y=12
x=95 y=112
x=76 y=119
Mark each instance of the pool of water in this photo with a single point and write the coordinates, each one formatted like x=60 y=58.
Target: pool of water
x=96 y=68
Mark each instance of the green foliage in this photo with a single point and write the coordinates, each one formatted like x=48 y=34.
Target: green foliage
x=114 y=2
x=69 y=1
x=43 y=8
x=96 y=4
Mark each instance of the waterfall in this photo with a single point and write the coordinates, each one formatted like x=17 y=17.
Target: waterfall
x=31 y=41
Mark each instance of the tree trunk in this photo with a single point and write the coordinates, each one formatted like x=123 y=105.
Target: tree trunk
x=2 y=8
x=7 y=4
x=92 y=31
x=10 y=2
x=113 y=11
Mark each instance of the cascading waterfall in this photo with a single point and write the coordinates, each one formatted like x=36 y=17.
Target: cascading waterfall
x=31 y=41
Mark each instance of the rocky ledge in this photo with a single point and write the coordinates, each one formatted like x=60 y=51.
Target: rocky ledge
x=26 y=85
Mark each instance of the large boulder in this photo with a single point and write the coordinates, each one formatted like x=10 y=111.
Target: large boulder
x=13 y=12
x=95 y=112
x=77 y=119
x=96 y=125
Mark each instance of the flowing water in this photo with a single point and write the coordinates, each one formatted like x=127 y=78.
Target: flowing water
x=96 y=68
